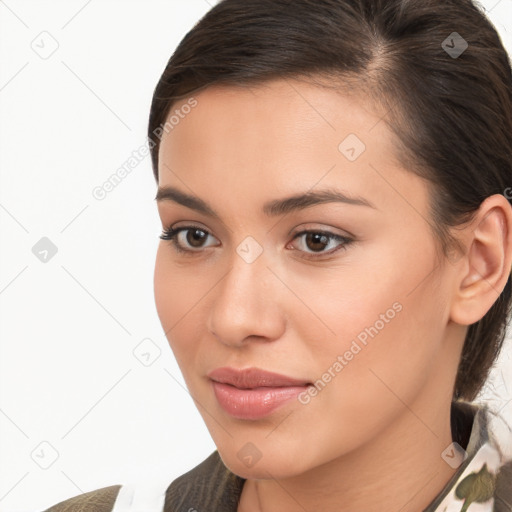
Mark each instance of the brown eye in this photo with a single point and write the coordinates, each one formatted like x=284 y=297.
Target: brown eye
x=193 y=239
x=316 y=241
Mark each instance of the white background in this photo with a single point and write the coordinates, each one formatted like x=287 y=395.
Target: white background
x=68 y=375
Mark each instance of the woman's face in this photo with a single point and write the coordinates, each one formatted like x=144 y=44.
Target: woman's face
x=369 y=318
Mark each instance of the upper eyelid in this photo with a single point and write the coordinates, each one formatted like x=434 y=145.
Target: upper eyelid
x=308 y=227
x=214 y=220
x=296 y=234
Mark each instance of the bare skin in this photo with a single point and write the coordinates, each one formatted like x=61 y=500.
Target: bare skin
x=372 y=438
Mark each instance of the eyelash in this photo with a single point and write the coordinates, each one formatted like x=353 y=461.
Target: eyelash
x=170 y=234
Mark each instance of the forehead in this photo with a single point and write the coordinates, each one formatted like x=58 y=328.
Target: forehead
x=283 y=135
x=290 y=105
x=278 y=116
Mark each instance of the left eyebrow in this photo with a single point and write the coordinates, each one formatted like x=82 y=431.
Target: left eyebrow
x=271 y=208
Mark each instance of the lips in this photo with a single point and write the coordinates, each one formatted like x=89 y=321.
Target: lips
x=250 y=378
x=251 y=393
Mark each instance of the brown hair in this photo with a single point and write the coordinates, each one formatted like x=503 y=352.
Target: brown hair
x=449 y=105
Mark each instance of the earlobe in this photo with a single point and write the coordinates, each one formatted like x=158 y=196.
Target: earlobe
x=486 y=266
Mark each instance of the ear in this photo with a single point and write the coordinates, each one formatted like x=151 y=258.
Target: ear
x=486 y=266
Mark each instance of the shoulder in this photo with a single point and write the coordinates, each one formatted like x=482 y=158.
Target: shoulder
x=208 y=486
x=98 y=500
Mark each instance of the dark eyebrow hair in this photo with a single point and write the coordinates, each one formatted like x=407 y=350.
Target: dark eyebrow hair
x=271 y=208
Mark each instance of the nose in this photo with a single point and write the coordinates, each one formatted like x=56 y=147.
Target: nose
x=247 y=304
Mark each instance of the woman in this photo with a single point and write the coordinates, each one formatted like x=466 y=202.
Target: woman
x=334 y=183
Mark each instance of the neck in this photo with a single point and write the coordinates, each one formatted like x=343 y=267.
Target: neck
x=401 y=470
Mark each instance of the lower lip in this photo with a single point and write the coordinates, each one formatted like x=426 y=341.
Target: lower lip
x=252 y=404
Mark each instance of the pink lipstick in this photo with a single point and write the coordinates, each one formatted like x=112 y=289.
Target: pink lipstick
x=253 y=393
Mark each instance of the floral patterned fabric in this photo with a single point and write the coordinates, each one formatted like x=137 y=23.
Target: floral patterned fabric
x=483 y=482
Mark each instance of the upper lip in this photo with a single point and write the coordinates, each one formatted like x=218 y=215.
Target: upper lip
x=253 y=378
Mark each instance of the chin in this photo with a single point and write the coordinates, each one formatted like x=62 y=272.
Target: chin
x=267 y=467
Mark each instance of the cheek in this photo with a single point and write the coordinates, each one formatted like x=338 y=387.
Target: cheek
x=176 y=288
x=179 y=294
x=388 y=326
x=162 y=286
x=375 y=366
x=172 y=297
